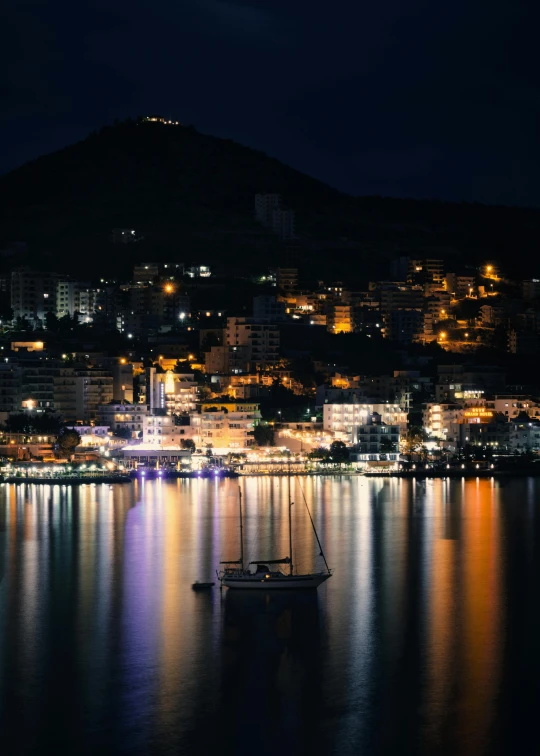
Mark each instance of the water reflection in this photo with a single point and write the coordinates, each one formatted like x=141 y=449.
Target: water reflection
x=425 y=640
x=271 y=671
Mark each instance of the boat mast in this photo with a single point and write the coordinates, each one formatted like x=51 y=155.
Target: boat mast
x=290 y=517
x=241 y=529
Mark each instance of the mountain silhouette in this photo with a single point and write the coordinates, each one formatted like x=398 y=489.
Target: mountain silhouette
x=190 y=198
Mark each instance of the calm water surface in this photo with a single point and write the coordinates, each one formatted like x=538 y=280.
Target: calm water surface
x=426 y=640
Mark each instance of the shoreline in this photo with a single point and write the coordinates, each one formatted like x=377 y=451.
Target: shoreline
x=153 y=475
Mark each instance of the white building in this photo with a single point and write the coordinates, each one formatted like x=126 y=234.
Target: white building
x=342 y=419
x=161 y=430
x=174 y=392
x=157 y=456
x=226 y=425
x=76 y=296
x=33 y=295
x=124 y=417
x=439 y=419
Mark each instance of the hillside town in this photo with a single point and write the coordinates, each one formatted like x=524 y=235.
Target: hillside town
x=185 y=367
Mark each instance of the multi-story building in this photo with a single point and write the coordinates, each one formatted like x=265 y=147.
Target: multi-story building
x=226 y=425
x=10 y=386
x=339 y=318
x=287 y=279
x=227 y=359
x=283 y=223
x=265 y=204
x=268 y=309
x=124 y=417
x=426 y=271
x=342 y=419
x=404 y=326
x=33 y=295
x=460 y=285
x=261 y=339
x=76 y=297
x=160 y=429
x=517 y=435
x=145 y=272
x=174 y=392
x=79 y=392
x=375 y=439
x=439 y=419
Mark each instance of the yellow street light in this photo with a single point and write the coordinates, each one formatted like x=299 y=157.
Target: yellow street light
x=169 y=288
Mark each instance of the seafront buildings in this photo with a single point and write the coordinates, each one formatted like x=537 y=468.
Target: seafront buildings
x=168 y=359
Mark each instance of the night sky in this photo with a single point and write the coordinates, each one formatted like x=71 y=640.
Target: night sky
x=408 y=99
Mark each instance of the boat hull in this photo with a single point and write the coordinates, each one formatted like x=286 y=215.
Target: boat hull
x=286 y=582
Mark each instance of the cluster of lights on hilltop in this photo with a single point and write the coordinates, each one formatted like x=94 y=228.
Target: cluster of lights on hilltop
x=160 y=119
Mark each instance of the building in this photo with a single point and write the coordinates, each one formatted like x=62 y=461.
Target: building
x=260 y=339
x=145 y=272
x=124 y=418
x=227 y=360
x=343 y=419
x=269 y=309
x=226 y=425
x=10 y=387
x=33 y=295
x=199 y=271
x=284 y=223
x=78 y=393
x=76 y=297
x=149 y=455
x=122 y=385
x=404 y=326
x=375 y=440
x=460 y=285
x=339 y=318
x=531 y=289
x=174 y=392
x=287 y=279
x=439 y=419
x=521 y=434
x=426 y=271
x=160 y=429
x=265 y=204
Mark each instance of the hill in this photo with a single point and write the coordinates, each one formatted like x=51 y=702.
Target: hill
x=190 y=196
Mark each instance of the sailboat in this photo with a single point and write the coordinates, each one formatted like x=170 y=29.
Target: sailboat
x=263 y=574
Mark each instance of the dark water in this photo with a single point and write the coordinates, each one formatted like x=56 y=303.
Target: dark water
x=426 y=640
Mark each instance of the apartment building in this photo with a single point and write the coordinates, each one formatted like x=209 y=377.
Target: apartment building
x=343 y=419
x=226 y=425
x=124 y=417
x=33 y=295
x=261 y=339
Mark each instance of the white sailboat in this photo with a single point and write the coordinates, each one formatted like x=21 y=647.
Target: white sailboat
x=262 y=574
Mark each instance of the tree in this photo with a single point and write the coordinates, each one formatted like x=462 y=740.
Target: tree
x=67 y=441
x=319 y=453
x=339 y=452
x=263 y=435
x=413 y=441
x=188 y=443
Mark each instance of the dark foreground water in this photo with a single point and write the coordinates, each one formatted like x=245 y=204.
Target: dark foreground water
x=426 y=640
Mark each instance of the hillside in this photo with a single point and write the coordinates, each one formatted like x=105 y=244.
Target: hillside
x=190 y=196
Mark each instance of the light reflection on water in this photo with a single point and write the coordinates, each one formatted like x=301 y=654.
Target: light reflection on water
x=427 y=638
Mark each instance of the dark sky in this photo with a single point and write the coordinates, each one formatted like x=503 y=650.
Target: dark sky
x=409 y=99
